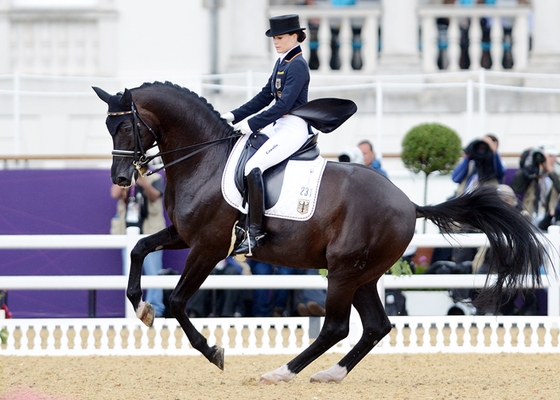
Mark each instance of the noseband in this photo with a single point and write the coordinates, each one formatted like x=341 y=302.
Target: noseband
x=140 y=158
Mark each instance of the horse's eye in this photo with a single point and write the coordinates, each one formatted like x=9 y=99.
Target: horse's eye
x=127 y=128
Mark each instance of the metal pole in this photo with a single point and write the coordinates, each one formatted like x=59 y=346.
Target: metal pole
x=379 y=119
x=213 y=5
x=17 y=114
x=481 y=102
x=470 y=108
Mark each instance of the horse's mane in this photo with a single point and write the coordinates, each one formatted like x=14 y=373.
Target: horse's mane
x=189 y=93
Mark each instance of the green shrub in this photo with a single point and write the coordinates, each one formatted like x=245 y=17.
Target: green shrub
x=431 y=147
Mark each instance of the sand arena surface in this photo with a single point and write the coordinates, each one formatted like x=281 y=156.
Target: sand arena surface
x=432 y=376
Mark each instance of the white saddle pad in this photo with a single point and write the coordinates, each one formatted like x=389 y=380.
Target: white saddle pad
x=298 y=197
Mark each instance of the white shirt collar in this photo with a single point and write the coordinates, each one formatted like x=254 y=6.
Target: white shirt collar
x=283 y=55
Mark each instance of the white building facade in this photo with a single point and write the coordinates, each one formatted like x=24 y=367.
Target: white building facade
x=404 y=62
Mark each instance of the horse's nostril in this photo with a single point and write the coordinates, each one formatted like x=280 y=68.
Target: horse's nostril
x=122 y=181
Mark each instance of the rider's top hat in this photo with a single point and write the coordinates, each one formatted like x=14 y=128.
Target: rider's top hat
x=283 y=24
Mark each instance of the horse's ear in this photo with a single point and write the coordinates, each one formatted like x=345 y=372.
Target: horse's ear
x=103 y=95
x=126 y=98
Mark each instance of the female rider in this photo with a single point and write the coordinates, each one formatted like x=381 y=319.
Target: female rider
x=288 y=86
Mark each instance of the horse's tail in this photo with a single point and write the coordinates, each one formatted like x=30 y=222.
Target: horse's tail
x=517 y=253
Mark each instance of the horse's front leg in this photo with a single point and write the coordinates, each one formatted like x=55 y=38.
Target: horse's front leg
x=165 y=239
x=197 y=269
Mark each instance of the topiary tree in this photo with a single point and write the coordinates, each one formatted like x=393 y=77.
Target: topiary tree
x=428 y=148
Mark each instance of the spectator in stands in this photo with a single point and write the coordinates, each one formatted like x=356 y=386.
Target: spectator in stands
x=310 y=302
x=538 y=183
x=370 y=157
x=266 y=302
x=222 y=303
x=352 y=155
x=141 y=205
x=481 y=165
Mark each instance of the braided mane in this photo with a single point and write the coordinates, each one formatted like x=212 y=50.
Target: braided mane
x=185 y=92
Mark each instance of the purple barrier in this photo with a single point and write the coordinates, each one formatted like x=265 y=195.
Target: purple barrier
x=62 y=202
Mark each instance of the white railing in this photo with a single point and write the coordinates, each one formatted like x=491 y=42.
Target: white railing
x=366 y=19
x=520 y=34
x=477 y=88
x=128 y=336
x=92 y=282
x=342 y=19
x=245 y=336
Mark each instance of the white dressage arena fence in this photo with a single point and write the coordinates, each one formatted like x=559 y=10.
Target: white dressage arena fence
x=128 y=336
x=250 y=336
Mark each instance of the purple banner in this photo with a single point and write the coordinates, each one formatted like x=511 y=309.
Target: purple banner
x=62 y=202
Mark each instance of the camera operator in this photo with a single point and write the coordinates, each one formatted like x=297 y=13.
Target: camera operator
x=481 y=165
x=538 y=183
x=352 y=155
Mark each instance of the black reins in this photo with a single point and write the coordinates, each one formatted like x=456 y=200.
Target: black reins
x=141 y=159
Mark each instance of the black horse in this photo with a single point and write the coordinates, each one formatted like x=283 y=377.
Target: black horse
x=361 y=226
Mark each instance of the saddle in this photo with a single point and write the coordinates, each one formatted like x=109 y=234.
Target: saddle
x=273 y=177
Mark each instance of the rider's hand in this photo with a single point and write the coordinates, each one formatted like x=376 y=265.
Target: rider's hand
x=229 y=117
x=243 y=127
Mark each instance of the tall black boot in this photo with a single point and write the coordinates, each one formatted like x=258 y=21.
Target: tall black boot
x=255 y=235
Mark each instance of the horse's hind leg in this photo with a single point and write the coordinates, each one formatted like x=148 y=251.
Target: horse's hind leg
x=336 y=327
x=376 y=325
x=165 y=239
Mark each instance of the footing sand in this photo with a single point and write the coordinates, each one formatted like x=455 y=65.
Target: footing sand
x=433 y=376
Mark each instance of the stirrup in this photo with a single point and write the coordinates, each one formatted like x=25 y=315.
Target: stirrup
x=248 y=244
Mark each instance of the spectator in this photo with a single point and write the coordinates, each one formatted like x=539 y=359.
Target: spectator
x=352 y=155
x=222 y=303
x=370 y=158
x=538 y=183
x=266 y=302
x=481 y=165
x=141 y=205
x=310 y=302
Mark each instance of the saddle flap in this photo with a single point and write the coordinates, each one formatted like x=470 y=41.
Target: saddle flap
x=326 y=114
x=273 y=177
x=253 y=143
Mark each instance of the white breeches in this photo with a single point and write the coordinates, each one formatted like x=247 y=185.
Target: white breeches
x=285 y=138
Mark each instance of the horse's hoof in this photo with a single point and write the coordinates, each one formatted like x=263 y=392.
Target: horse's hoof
x=217 y=357
x=334 y=374
x=146 y=313
x=278 y=375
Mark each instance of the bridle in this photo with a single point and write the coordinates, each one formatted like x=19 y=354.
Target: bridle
x=141 y=159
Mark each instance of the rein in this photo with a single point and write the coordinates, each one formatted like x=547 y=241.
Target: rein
x=141 y=159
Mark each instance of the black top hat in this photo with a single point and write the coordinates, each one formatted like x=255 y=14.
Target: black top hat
x=283 y=24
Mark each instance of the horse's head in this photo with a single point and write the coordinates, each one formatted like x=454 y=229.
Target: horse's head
x=129 y=139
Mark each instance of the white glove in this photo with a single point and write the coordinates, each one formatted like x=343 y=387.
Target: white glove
x=243 y=127
x=229 y=117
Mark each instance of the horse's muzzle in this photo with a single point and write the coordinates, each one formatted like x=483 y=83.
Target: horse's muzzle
x=121 y=175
